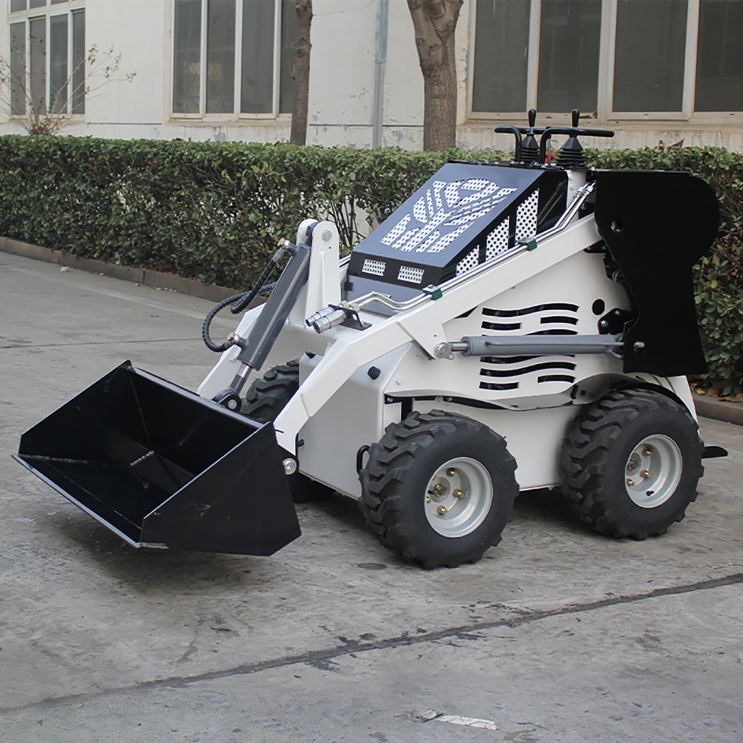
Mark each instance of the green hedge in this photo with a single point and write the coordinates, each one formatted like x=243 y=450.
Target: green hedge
x=215 y=211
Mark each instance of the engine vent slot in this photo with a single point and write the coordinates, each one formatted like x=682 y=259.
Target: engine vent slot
x=376 y=268
x=556 y=378
x=545 y=366
x=556 y=331
x=411 y=274
x=499 y=385
x=550 y=306
x=557 y=319
x=501 y=326
x=507 y=359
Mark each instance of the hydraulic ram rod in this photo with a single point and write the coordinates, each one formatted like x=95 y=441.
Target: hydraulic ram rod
x=535 y=345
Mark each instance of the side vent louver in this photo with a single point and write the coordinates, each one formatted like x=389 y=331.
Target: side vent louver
x=508 y=373
x=526 y=217
x=470 y=261
x=498 y=241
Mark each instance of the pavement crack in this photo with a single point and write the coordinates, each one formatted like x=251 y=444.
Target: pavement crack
x=323 y=658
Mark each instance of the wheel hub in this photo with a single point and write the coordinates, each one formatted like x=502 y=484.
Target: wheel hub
x=440 y=489
x=653 y=471
x=458 y=497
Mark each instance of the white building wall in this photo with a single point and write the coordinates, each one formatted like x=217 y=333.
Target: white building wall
x=136 y=29
x=342 y=72
x=403 y=83
x=341 y=85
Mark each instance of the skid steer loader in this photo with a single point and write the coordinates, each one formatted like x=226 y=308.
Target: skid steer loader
x=509 y=327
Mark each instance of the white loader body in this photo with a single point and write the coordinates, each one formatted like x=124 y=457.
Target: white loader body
x=341 y=407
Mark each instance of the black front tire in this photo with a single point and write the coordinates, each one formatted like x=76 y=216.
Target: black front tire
x=268 y=396
x=596 y=465
x=398 y=473
x=264 y=400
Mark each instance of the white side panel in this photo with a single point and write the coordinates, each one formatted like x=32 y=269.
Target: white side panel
x=533 y=437
x=680 y=386
x=352 y=417
x=550 y=301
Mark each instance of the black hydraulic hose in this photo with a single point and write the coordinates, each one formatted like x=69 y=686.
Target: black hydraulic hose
x=205 y=326
x=239 y=302
x=249 y=296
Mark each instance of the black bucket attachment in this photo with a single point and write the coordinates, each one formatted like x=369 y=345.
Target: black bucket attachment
x=161 y=466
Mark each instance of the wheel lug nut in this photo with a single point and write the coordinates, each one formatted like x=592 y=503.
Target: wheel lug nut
x=644 y=474
x=646 y=452
x=441 y=510
x=428 y=499
x=458 y=493
x=630 y=481
x=451 y=472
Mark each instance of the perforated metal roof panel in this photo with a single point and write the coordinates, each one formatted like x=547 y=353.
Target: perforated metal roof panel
x=452 y=223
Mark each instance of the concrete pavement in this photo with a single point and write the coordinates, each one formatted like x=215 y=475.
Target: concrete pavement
x=558 y=634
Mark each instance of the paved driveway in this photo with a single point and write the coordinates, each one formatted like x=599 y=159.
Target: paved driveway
x=558 y=634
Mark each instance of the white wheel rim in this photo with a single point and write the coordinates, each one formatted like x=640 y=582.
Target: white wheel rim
x=653 y=471
x=458 y=497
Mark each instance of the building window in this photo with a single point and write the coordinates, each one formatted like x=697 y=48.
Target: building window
x=719 y=83
x=617 y=59
x=649 y=55
x=569 y=33
x=501 y=55
x=47 y=57
x=233 y=57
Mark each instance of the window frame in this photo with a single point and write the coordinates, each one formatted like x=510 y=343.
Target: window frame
x=46 y=12
x=605 y=94
x=202 y=114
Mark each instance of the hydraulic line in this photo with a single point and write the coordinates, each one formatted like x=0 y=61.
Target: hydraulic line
x=239 y=302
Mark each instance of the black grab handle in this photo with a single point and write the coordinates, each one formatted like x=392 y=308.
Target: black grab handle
x=571 y=131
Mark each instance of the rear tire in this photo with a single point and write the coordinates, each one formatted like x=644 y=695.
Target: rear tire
x=264 y=400
x=432 y=461
x=630 y=463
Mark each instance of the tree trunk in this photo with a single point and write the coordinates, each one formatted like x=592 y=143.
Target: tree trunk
x=302 y=72
x=435 y=22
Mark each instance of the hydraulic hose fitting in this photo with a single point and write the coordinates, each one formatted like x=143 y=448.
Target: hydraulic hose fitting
x=336 y=314
x=328 y=320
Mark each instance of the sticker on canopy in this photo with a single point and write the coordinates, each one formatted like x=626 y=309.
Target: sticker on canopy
x=444 y=212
